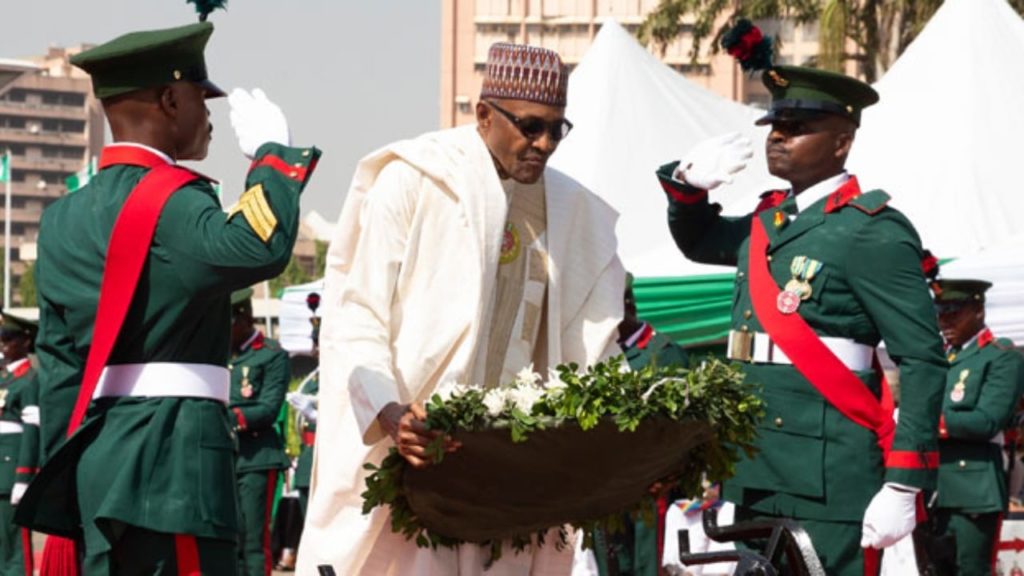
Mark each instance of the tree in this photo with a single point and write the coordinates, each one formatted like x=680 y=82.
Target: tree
x=293 y=274
x=880 y=30
x=27 y=287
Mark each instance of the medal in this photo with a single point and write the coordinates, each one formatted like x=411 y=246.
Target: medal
x=788 y=301
x=960 y=388
x=246 y=390
x=509 y=244
x=3 y=398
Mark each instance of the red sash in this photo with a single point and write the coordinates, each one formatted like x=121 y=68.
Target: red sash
x=308 y=438
x=126 y=255
x=819 y=365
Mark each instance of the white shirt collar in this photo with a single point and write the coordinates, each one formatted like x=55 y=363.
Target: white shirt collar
x=12 y=366
x=974 y=338
x=632 y=340
x=247 y=343
x=820 y=190
x=159 y=153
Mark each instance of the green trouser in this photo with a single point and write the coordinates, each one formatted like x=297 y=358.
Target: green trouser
x=12 y=543
x=837 y=544
x=144 y=552
x=633 y=552
x=256 y=500
x=976 y=537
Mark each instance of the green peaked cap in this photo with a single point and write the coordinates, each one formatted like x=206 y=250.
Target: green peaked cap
x=960 y=290
x=800 y=92
x=18 y=325
x=149 y=58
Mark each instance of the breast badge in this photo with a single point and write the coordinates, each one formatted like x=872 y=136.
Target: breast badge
x=798 y=289
x=960 y=387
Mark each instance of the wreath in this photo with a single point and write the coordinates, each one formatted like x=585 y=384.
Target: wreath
x=583 y=435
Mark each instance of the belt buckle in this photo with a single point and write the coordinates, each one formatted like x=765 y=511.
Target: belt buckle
x=741 y=346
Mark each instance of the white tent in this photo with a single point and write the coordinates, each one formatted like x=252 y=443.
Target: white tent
x=944 y=139
x=294 y=327
x=631 y=114
x=1004 y=267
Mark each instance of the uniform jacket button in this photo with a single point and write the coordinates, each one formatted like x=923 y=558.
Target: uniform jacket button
x=963 y=463
x=747 y=314
x=778 y=421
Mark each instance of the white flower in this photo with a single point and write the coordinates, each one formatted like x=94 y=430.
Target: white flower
x=447 y=390
x=495 y=400
x=524 y=397
x=527 y=377
x=554 y=382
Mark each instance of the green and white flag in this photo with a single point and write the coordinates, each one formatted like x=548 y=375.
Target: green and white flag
x=80 y=179
x=5 y=167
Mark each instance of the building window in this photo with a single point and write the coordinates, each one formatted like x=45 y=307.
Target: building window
x=71 y=152
x=72 y=126
x=51 y=125
x=51 y=152
x=15 y=96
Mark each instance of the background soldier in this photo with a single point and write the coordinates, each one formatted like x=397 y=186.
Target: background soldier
x=149 y=478
x=985 y=382
x=19 y=440
x=851 y=271
x=260 y=373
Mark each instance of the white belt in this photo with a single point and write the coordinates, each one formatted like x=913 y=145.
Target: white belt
x=165 y=379
x=10 y=427
x=757 y=347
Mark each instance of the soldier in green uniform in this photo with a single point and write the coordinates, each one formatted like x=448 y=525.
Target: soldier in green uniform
x=304 y=400
x=636 y=551
x=985 y=381
x=825 y=272
x=260 y=373
x=19 y=440
x=148 y=483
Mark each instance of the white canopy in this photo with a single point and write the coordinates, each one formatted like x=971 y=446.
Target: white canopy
x=632 y=114
x=944 y=139
x=1004 y=302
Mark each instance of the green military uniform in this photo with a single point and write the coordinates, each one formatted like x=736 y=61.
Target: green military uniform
x=636 y=551
x=304 y=465
x=985 y=381
x=151 y=468
x=19 y=449
x=860 y=260
x=259 y=379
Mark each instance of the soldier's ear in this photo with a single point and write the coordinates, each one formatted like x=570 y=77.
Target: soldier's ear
x=168 y=100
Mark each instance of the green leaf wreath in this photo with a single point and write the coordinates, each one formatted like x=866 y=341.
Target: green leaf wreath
x=713 y=391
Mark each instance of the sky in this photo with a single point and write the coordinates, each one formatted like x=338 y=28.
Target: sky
x=350 y=75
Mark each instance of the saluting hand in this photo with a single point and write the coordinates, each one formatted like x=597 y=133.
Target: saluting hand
x=256 y=121
x=406 y=424
x=713 y=162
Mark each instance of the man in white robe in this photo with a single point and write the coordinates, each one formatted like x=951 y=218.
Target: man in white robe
x=458 y=258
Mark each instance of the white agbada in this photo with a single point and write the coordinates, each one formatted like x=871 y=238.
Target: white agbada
x=410 y=274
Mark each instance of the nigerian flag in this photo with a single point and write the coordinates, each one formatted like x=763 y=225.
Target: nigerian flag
x=5 y=167
x=80 y=179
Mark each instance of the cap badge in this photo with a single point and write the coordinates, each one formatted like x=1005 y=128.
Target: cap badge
x=777 y=79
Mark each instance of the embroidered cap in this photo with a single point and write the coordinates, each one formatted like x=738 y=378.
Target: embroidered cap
x=522 y=72
x=18 y=326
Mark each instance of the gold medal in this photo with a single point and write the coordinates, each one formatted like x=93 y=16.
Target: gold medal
x=960 y=388
x=246 y=389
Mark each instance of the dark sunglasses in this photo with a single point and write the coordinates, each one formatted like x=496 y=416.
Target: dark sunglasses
x=532 y=127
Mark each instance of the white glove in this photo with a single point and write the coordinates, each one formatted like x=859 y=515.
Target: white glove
x=17 y=491
x=891 y=515
x=304 y=404
x=713 y=162
x=256 y=121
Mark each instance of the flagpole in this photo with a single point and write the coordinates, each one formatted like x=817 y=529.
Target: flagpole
x=7 y=229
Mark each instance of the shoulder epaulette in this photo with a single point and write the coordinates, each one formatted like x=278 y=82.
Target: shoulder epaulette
x=871 y=202
x=1004 y=344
